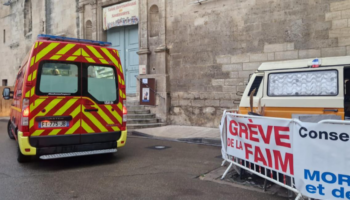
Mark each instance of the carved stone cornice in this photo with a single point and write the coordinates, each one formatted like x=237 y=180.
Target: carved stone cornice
x=143 y=51
x=161 y=48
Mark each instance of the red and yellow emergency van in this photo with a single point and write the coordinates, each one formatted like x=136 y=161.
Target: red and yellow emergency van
x=68 y=100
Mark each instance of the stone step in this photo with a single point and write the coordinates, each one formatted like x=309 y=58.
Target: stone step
x=132 y=103
x=139 y=126
x=141 y=116
x=135 y=107
x=131 y=112
x=143 y=121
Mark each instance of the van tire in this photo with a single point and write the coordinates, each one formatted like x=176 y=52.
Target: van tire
x=22 y=158
x=9 y=131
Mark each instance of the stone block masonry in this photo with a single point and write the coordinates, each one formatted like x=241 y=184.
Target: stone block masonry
x=240 y=35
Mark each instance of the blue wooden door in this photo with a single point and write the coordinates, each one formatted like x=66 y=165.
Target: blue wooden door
x=131 y=57
x=126 y=41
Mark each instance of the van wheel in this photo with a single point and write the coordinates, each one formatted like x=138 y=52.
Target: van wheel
x=9 y=131
x=22 y=158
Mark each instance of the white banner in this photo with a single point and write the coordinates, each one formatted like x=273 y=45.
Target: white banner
x=121 y=14
x=263 y=141
x=322 y=160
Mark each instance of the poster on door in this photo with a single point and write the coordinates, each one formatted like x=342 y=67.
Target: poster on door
x=145 y=94
x=123 y=14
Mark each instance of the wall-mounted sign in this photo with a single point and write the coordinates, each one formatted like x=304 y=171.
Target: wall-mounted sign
x=121 y=14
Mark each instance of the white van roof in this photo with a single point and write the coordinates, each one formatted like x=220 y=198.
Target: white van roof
x=304 y=63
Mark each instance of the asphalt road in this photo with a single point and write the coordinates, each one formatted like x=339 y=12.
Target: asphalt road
x=134 y=172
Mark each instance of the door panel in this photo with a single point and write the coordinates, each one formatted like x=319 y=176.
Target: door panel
x=117 y=37
x=126 y=41
x=99 y=107
x=132 y=58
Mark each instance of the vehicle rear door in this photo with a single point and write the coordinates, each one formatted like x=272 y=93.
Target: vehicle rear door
x=101 y=115
x=55 y=94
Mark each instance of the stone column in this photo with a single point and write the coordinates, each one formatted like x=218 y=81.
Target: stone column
x=158 y=54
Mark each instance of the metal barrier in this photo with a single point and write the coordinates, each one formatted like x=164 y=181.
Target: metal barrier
x=284 y=180
x=268 y=174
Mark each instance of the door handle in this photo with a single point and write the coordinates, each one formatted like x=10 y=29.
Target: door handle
x=91 y=110
x=330 y=110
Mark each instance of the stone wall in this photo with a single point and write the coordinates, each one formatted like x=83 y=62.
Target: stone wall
x=213 y=47
x=57 y=17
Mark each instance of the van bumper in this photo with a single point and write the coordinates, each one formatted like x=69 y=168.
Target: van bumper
x=122 y=140
x=46 y=145
x=24 y=145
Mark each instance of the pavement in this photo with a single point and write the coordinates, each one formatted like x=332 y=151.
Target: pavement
x=191 y=134
x=136 y=171
x=4 y=118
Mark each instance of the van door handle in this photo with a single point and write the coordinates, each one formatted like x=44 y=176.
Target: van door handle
x=91 y=110
x=330 y=110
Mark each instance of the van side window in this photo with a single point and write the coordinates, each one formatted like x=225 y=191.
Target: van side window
x=256 y=84
x=101 y=83
x=306 y=83
x=58 y=78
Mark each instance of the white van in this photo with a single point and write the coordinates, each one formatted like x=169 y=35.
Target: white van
x=300 y=88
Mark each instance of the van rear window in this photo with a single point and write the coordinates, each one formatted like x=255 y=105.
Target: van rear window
x=305 y=83
x=101 y=83
x=58 y=78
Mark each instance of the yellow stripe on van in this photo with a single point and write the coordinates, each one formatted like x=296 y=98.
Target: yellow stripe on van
x=86 y=127
x=104 y=116
x=66 y=106
x=84 y=53
x=45 y=51
x=95 y=121
x=95 y=52
x=90 y=60
x=114 y=113
x=37 y=103
x=36 y=45
x=71 y=58
x=76 y=112
x=120 y=106
x=115 y=128
x=32 y=61
x=48 y=108
x=112 y=58
x=34 y=74
x=30 y=77
x=15 y=108
x=32 y=91
x=55 y=57
x=37 y=132
x=55 y=131
x=77 y=53
x=28 y=94
x=103 y=61
x=65 y=49
x=74 y=128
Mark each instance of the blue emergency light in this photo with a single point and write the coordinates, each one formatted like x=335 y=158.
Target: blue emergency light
x=60 y=38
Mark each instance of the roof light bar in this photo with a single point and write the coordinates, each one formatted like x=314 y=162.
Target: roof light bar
x=60 y=38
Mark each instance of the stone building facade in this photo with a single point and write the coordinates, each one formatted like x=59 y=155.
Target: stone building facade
x=200 y=53
x=20 y=23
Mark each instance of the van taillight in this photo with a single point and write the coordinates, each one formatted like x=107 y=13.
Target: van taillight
x=125 y=112
x=25 y=114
